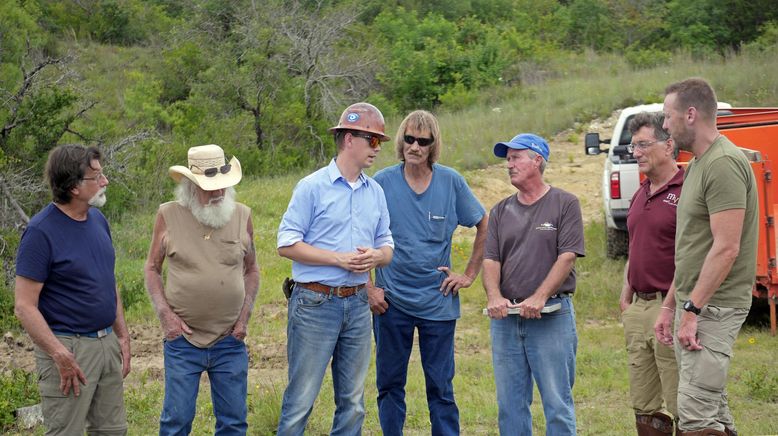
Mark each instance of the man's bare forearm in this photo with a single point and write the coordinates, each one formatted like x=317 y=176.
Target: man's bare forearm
x=559 y=272
x=477 y=255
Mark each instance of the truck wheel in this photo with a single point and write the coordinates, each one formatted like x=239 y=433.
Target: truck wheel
x=616 y=243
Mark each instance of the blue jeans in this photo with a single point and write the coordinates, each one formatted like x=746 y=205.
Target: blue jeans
x=394 y=341
x=227 y=365
x=543 y=349
x=323 y=327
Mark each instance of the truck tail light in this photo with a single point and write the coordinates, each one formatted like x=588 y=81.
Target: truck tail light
x=615 y=185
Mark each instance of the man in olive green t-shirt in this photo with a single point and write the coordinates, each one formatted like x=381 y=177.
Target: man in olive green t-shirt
x=715 y=258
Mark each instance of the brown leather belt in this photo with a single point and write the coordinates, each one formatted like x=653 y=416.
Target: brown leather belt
x=338 y=291
x=648 y=296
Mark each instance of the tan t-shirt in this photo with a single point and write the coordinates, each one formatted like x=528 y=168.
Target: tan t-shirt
x=205 y=271
x=721 y=179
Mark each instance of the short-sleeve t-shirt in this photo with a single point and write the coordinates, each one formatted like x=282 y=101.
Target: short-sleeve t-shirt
x=422 y=226
x=721 y=179
x=75 y=262
x=528 y=239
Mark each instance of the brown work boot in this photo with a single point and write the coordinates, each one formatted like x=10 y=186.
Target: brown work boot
x=730 y=432
x=704 y=432
x=657 y=424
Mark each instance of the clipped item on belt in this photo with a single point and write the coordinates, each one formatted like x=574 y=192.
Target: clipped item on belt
x=287 y=287
x=517 y=310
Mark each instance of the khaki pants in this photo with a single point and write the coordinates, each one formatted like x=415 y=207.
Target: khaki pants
x=653 y=373
x=100 y=407
x=702 y=394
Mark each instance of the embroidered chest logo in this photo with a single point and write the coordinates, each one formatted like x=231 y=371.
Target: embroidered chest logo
x=546 y=226
x=671 y=199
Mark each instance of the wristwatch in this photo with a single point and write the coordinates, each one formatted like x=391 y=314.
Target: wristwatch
x=690 y=307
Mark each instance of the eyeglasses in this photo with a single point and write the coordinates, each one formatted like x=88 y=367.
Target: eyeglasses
x=642 y=145
x=210 y=172
x=98 y=177
x=374 y=141
x=423 y=142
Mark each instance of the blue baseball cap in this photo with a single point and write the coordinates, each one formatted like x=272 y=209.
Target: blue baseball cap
x=523 y=141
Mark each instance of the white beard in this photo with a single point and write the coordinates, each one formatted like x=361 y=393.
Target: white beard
x=215 y=214
x=99 y=199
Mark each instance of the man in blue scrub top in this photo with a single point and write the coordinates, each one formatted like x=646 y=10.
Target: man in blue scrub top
x=335 y=230
x=418 y=289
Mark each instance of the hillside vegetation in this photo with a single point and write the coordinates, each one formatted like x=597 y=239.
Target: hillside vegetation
x=147 y=79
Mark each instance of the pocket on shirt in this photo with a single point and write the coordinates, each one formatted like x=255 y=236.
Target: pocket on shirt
x=230 y=252
x=436 y=228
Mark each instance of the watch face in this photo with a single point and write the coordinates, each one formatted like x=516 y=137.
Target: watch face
x=689 y=307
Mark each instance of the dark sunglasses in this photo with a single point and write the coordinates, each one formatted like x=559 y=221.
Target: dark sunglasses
x=423 y=142
x=210 y=172
x=374 y=141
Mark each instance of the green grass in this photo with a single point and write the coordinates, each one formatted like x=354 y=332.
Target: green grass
x=591 y=85
x=601 y=390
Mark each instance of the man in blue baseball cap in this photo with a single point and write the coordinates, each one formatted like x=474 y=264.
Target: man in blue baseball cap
x=523 y=141
x=533 y=239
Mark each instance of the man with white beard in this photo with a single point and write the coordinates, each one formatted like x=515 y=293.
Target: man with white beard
x=212 y=281
x=67 y=301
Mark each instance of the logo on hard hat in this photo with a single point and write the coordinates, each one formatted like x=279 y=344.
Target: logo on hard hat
x=352 y=117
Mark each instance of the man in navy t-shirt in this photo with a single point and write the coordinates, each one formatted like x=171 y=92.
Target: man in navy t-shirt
x=67 y=301
x=418 y=290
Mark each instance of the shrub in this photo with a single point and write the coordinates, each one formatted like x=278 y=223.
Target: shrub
x=18 y=388
x=762 y=384
x=647 y=58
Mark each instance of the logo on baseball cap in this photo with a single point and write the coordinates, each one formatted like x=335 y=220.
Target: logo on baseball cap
x=523 y=141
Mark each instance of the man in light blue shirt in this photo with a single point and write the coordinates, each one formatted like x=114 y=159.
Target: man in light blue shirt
x=418 y=290
x=335 y=230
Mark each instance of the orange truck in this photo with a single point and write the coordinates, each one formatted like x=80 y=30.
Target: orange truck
x=755 y=130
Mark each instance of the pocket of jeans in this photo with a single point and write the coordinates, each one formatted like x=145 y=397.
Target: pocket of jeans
x=362 y=294
x=308 y=298
x=168 y=340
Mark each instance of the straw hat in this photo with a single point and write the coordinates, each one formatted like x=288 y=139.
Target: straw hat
x=208 y=168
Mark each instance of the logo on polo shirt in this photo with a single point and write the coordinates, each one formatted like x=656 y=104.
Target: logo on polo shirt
x=671 y=199
x=546 y=226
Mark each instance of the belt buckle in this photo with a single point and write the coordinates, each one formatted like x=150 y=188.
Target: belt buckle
x=338 y=290
x=102 y=333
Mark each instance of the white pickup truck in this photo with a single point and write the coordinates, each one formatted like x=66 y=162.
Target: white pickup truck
x=620 y=178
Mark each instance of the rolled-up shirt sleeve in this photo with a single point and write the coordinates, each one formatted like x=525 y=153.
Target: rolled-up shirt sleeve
x=297 y=218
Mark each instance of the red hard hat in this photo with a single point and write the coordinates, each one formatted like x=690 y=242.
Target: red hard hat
x=363 y=117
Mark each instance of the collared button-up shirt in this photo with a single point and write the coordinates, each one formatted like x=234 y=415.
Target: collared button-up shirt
x=328 y=213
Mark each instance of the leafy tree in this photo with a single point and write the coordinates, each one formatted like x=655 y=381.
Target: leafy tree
x=591 y=24
x=716 y=25
x=431 y=56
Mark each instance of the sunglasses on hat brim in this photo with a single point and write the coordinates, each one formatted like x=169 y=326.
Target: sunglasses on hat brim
x=213 y=171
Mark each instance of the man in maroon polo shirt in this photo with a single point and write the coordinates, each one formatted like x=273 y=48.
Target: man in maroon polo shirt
x=653 y=374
